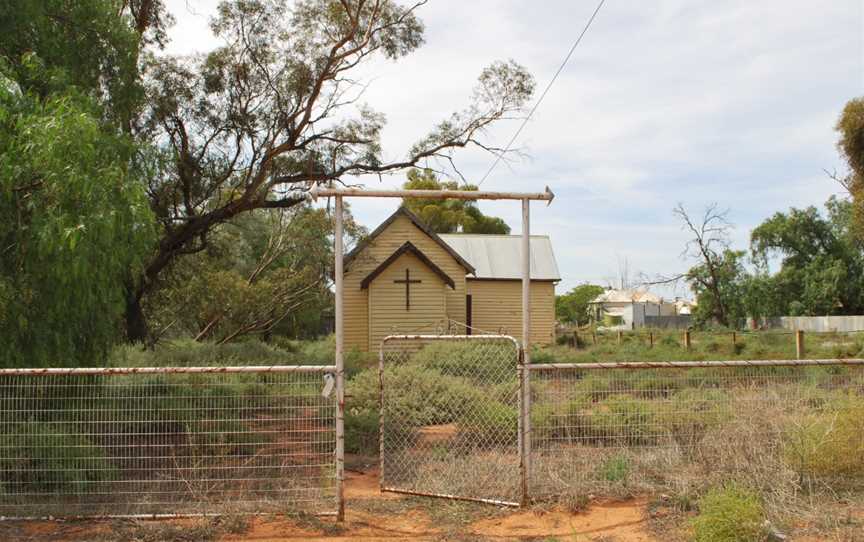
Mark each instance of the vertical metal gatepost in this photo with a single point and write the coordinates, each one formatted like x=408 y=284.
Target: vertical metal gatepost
x=340 y=365
x=525 y=358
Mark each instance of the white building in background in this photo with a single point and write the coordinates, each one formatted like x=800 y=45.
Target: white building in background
x=627 y=309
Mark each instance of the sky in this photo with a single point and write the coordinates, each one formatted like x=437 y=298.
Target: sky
x=668 y=101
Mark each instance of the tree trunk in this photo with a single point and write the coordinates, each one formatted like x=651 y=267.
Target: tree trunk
x=137 y=330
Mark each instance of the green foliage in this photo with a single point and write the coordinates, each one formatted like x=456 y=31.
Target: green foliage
x=622 y=419
x=471 y=360
x=615 y=468
x=427 y=397
x=76 y=222
x=727 y=300
x=449 y=216
x=82 y=44
x=265 y=275
x=850 y=126
x=829 y=444
x=46 y=457
x=361 y=431
x=572 y=307
x=692 y=412
x=730 y=514
x=822 y=267
x=488 y=423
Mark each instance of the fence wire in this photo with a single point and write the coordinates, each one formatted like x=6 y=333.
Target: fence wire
x=607 y=429
x=166 y=441
x=458 y=437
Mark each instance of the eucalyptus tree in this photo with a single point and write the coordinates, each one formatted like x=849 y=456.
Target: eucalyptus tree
x=275 y=110
x=449 y=216
x=850 y=127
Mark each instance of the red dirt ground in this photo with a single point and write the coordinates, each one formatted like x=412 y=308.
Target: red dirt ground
x=622 y=521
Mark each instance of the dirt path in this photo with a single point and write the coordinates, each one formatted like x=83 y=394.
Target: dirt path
x=622 y=521
x=373 y=516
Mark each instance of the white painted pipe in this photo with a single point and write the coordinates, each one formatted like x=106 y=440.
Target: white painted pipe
x=340 y=362
x=323 y=192
x=525 y=383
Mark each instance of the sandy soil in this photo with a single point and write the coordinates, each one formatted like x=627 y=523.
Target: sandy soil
x=622 y=521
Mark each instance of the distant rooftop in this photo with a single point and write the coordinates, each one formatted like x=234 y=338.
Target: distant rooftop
x=500 y=256
x=628 y=296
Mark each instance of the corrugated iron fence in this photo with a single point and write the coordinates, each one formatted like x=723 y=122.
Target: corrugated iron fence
x=167 y=441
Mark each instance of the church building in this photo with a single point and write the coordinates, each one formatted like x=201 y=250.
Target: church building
x=406 y=279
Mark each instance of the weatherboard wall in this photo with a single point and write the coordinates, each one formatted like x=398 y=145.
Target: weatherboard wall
x=496 y=307
x=357 y=301
x=388 y=313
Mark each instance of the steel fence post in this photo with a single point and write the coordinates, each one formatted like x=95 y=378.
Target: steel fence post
x=525 y=358
x=340 y=363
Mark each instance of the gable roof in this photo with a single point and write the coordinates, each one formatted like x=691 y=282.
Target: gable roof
x=407 y=247
x=628 y=296
x=499 y=257
x=402 y=211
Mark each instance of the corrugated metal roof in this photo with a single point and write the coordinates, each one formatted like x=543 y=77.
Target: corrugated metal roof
x=628 y=296
x=500 y=256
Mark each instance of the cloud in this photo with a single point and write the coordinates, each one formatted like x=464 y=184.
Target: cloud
x=667 y=101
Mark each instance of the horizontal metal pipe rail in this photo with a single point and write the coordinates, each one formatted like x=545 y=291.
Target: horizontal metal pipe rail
x=54 y=371
x=319 y=192
x=693 y=364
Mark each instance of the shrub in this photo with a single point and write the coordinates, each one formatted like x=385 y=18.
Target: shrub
x=491 y=423
x=669 y=340
x=829 y=444
x=482 y=362
x=361 y=432
x=41 y=456
x=730 y=514
x=623 y=419
x=615 y=468
x=417 y=395
x=691 y=412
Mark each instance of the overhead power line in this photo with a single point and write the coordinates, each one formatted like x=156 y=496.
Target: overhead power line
x=545 y=91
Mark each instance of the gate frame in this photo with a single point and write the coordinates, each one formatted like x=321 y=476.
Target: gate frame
x=338 y=277
x=129 y=371
x=523 y=427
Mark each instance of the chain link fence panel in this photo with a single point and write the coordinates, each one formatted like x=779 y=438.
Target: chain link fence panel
x=619 y=429
x=450 y=417
x=132 y=442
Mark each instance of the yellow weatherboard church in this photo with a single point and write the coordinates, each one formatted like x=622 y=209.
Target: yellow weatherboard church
x=404 y=279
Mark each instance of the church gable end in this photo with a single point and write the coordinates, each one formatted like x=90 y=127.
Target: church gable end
x=446 y=267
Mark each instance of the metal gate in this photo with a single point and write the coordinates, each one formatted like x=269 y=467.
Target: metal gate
x=450 y=417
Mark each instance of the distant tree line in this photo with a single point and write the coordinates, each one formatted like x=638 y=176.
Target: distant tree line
x=802 y=262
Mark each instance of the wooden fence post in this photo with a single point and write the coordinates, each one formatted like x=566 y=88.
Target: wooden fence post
x=594 y=337
x=686 y=339
x=620 y=336
x=799 y=344
x=576 y=340
x=734 y=338
x=651 y=339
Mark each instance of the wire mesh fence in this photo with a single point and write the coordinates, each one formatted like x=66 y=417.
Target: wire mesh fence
x=613 y=428
x=127 y=442
x=459 y=439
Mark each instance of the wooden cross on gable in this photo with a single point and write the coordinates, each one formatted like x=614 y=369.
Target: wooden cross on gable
x=408 y=282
